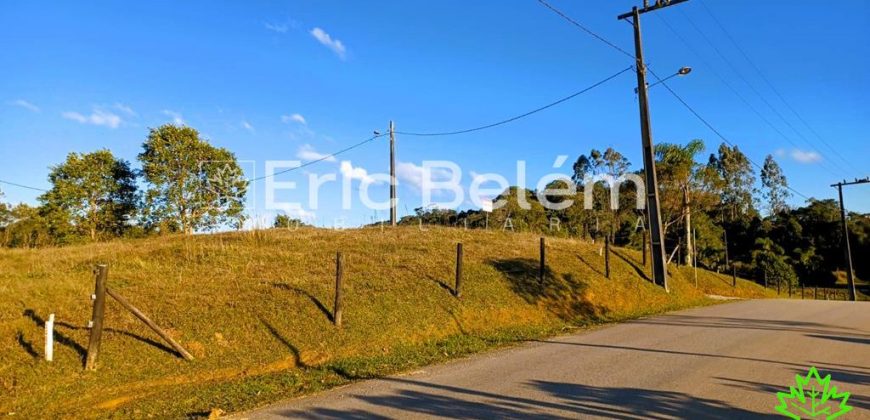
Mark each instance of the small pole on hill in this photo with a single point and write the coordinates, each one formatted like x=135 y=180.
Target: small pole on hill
x=543 y=262
x=339 y=272
x=789 y=288
x=733 y=275
x=802 y=290
x=49 y=338
x=457 y=287
x=607 y=256
x=96 y=324
x=816 y=292
x=393 y=200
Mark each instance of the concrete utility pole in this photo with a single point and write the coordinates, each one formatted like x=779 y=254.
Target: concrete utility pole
x=660 y=272
x=846 y=247
x=393 y=201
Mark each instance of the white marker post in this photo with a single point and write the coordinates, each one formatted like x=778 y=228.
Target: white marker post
x=49 y=338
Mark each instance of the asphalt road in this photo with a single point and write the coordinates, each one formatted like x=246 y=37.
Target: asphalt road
x=725 y=361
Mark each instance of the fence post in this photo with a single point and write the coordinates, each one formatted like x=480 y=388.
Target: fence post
x=543 y=262
x=802 y=290
x=816 y=292
x=96 y=324
x=777 y=286
x=339 y=272
x=457 y=287
x=733 y=275
x=144 y=318
x=607 y=256
x=49 y=338
x=789 y=288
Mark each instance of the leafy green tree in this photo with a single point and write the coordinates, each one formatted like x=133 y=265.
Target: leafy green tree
x=685 y=187
x=95 y=191
x=769 y=258
x=614 y=165
x=775 y=186
x=738 y=178
x=192 y=185
x=26 y=228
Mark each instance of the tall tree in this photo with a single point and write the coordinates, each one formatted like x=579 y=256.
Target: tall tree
x=738 y=182
x=95 y=191
x=193 y=185
x=682 y=181
x=775 y=186
x=612 y=164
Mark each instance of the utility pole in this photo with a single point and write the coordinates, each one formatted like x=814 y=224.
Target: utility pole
x=847 y=248
x=660 y=273
x=393 y=201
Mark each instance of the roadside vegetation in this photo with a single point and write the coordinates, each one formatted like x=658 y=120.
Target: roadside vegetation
x=255 y=310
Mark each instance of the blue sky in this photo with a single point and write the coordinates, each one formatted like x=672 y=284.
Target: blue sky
x=83 y=76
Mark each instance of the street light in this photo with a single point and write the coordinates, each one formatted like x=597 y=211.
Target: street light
x=681 y=72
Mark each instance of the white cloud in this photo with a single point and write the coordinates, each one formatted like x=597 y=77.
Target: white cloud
x=125 y=109
x=805 y=156
x=349 y=171
x=412 y=175
x=176 y=117
x=26 y=105
x=97 y=117
x=247 y=126
x=306 y=152
x=293 y=117
x=333 y=44
x=277 y=27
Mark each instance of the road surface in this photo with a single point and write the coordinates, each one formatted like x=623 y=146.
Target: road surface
x=724 y=361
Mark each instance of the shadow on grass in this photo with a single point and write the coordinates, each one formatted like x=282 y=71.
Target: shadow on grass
x=69 y=342
x=442 y=284
x=640 y=271
x=26 y=345
x=312 y=298
x=551 y=400
x=561 y=295
x=59 y=337
x=297 y=358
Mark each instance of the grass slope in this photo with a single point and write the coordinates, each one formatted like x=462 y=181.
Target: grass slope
x=255 y=308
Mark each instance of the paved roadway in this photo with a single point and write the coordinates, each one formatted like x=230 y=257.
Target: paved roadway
x=724 y=361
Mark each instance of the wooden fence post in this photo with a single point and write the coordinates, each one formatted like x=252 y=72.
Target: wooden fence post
x=607 y=256
x=733 y=275
x=339 y=272
x=457 y=287
x=96 y=324
x=816 y=292
x=543 y=262
x=789 y=288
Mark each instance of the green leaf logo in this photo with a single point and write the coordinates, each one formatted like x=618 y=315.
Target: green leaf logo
x=813 y=397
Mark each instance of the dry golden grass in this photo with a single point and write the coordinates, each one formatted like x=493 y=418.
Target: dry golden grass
x=254 y=308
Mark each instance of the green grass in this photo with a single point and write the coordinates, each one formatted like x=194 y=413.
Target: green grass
x=254 y=308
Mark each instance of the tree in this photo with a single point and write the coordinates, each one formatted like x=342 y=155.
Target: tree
x=193 y=185
x=284 y=221
x=95 y=192
x=682 y=182
x=738 y=182
x=775 y=186
x=611 y=164
x=775 y=267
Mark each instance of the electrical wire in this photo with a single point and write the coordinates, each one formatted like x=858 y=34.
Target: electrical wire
x=717 y=132
x=534 y=111
x=680 y=99
x=743 y=99
x=321 y=159
x=739 y=74
x=22 y=186
x=773 y=88
x=585 y=29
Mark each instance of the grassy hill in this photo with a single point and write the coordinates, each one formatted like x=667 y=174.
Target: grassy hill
x=254 y=308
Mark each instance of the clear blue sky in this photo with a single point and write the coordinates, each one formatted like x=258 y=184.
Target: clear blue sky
x=78 y=76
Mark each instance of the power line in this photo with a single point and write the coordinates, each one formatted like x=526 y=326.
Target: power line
x=680 y=99
x=743 y=99
x=534 y=111
x=773 y=88
x=321 y=159
x=22 y=186
x=718 y=133
x=739 y=74
x=585 y=29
